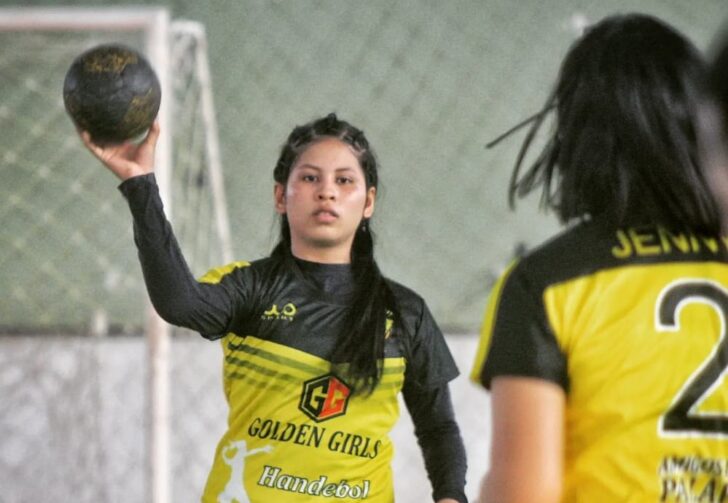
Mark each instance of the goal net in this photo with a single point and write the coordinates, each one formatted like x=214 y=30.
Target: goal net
x=72 y=368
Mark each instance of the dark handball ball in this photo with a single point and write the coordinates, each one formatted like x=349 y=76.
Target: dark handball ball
x=112 y=92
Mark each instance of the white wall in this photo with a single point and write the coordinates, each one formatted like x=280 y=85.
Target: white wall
x=73 y=420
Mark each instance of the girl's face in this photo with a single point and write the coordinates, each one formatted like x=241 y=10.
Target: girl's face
x=325 y=200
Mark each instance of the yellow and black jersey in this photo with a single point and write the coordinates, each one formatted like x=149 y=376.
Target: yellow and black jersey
x=300 y=433
x=296 y=432
x=631 y=323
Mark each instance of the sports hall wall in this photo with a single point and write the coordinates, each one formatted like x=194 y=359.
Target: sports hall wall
x=429 y=81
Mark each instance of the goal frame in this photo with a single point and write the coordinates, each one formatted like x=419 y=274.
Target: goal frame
x=154 y=24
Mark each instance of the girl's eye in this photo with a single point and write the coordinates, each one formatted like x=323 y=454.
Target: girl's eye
x=308 y=178
x=345 y=179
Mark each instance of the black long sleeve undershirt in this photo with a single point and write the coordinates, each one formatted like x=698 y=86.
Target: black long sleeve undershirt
x=181 y=300
x=175 y=293
x=439 y=438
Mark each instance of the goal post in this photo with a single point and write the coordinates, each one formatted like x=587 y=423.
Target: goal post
x=99 y=292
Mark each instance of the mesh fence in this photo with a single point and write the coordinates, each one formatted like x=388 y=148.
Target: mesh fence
x=75 y=405
x=430 y=82
x=67 y=255
x=65 y=238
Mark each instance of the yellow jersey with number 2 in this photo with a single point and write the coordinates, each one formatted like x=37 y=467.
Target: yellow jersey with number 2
x=632 y=324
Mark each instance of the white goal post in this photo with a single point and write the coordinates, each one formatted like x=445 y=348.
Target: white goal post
x=169 y=46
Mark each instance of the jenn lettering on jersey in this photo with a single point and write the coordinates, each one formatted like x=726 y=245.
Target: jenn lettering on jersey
x=317 y=343
x=605 y=349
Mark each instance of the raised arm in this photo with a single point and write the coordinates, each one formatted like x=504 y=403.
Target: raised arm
x=128 y=159
x=176 y=295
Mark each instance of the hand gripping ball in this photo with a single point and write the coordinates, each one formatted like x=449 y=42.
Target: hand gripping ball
x=112 y=92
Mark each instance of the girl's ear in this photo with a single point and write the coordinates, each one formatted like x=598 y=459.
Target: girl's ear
x=279 y=197
x=369 y=204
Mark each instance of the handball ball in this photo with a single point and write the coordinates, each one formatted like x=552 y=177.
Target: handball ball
x=112 y=92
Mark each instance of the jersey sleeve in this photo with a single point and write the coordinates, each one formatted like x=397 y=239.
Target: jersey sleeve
x=429 y=361
x=439 y=438
x=206 y=307
x=516 y=339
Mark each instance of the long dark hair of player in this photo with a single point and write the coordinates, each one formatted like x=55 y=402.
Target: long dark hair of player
x=624 y=142
x=362 y=346
x=719 y=76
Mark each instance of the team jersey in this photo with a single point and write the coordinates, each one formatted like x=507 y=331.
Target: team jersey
x=631 y=324
x=296 y=431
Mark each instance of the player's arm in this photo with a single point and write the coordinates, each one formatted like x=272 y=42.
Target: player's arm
x=430 y=367
x=526 y=457
x=439 y=438
x=175 y=293
x=426 y=392
x=127 y=159
x=520 y=361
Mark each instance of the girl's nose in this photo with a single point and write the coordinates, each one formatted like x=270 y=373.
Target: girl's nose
x=327 y=191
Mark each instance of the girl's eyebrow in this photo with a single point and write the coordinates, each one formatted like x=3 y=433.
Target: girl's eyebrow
x=317 y=168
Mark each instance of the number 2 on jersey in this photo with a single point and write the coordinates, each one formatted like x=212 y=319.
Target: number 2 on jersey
x=680 y=418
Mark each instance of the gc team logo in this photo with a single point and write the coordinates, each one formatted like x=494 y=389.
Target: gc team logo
x=324 y=398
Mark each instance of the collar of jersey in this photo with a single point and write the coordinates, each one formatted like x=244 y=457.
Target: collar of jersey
x=314 y=273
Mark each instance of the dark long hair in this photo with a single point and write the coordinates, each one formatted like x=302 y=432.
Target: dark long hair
x=362 y=346
x=719 y=76
x=624 y=141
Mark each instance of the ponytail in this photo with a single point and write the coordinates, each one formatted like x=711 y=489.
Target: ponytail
x=362 y=346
